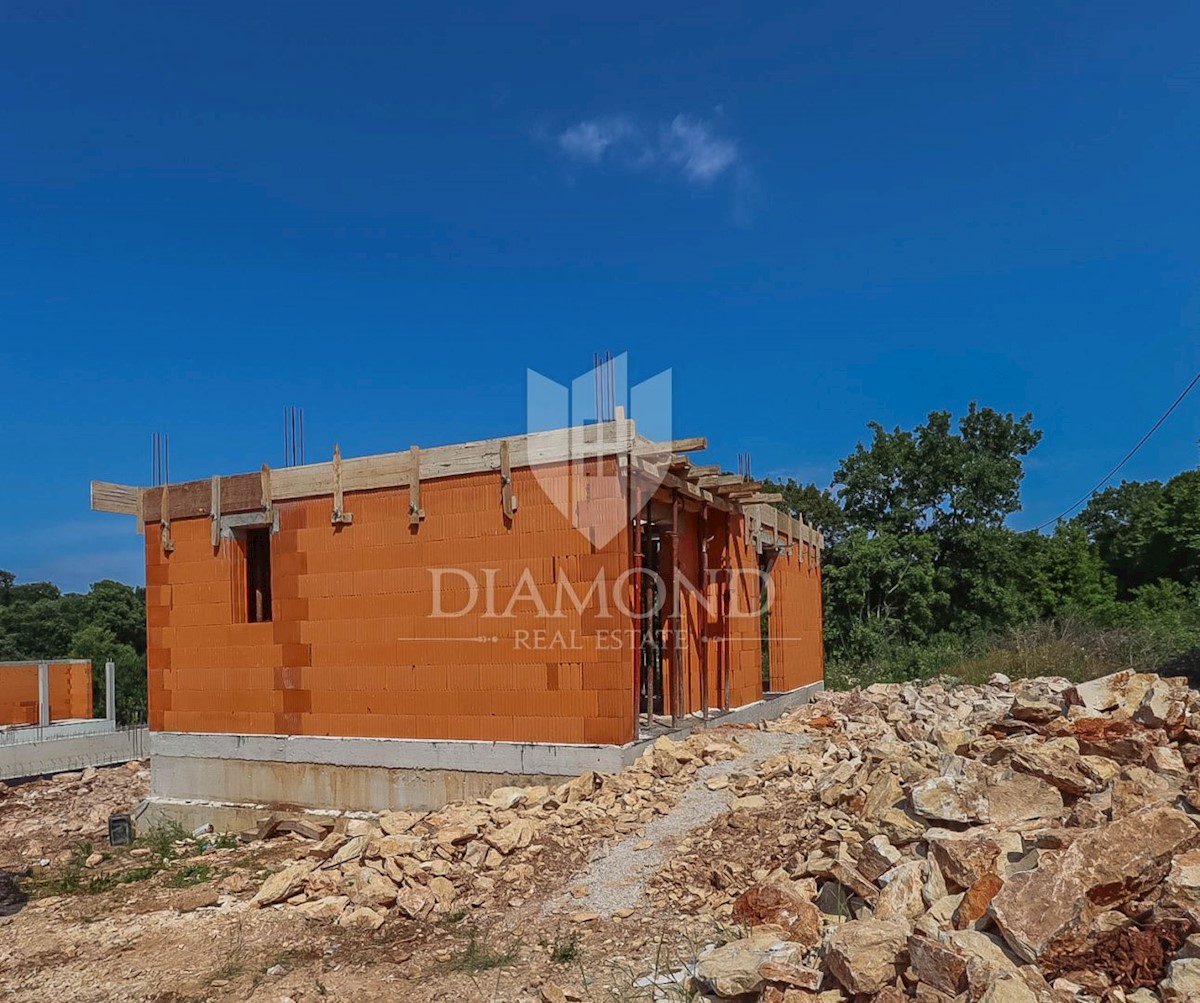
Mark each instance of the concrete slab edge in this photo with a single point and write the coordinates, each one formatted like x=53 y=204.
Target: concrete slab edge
x=554 y=759
x=72 y=752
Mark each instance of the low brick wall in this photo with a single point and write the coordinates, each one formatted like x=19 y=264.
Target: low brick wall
x=70 y=690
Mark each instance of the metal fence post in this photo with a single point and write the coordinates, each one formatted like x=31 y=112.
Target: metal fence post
x=43 y=695
x=110 y=691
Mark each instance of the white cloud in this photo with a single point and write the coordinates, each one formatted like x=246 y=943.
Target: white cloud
x=689 y=147
x=590 y=140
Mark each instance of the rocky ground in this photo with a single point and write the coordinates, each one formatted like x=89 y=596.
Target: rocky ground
x=1019 y=842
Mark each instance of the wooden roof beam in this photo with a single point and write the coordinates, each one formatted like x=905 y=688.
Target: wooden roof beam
x=720 y=480
x=123 y=499
x=649 y=450
x=745 y=488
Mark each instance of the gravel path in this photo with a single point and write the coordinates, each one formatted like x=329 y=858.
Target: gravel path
x=616 y=880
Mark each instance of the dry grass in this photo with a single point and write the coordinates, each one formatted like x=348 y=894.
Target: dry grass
x=1067 y=647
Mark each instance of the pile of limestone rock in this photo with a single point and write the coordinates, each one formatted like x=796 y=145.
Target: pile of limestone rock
x=1017 y=842
x=481 y=853
x=46 y=818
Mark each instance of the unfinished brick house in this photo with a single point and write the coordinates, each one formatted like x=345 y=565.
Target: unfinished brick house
x=407 y=627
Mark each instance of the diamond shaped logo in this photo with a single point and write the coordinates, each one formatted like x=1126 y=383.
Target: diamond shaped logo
x=604 y=420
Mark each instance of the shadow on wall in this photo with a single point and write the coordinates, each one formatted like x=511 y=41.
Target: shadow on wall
x=12 y=899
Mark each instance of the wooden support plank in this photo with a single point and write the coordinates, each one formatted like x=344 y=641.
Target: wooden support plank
x=193 y=499
x=244 y=492
x=215 y=511
x=119 y=498
x=392 y=469
x=415 y=512
x=266 y=488
x=657 y=475
x=339 y=516
x=677 y=640
x=744 y=488
x=646 y=448
x=508 y=500
x=164 y=522
x=703 y=470
x=720 y=480
x=762 y=514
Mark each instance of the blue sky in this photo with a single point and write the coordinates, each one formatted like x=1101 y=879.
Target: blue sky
x=815 y=214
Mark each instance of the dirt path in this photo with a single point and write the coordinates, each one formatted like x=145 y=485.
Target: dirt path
x=616 y=878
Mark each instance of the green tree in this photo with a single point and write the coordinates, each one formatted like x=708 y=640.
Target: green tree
x=1180 y=526
x=1069 y=576
x=880 y=594
x=99 y=644
x=39 y=621
x=121 y=609
x=1125 y=524
x=952 y=489
x=934 y=478
x=1147 y=531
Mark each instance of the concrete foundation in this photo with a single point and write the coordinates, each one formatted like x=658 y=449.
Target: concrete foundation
x=229 y=780
x=68 y=745
x=32 y=733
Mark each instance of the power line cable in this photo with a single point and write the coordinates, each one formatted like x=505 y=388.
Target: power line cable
x=1127 y=457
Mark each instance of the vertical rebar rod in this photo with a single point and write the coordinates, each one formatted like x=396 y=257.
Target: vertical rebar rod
x=726 y=641
x=676 y=666
x=636 y=606
x=703 y=610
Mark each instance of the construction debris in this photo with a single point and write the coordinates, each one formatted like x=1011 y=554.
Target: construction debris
x=1016 y=841
x=477 y=854
x=37 y=818
x=1012 y=842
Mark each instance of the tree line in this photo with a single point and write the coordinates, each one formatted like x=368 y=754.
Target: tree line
x=922 y=573
x=39 y=621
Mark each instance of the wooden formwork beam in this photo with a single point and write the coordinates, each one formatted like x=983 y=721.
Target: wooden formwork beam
x=243 y=492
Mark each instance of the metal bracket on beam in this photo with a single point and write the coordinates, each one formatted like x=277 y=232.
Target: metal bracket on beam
x=415 y=512
x=507 y=499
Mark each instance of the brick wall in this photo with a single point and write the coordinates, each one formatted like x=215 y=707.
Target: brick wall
x=796 y=638
x=70 y=691
x=353 y=648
